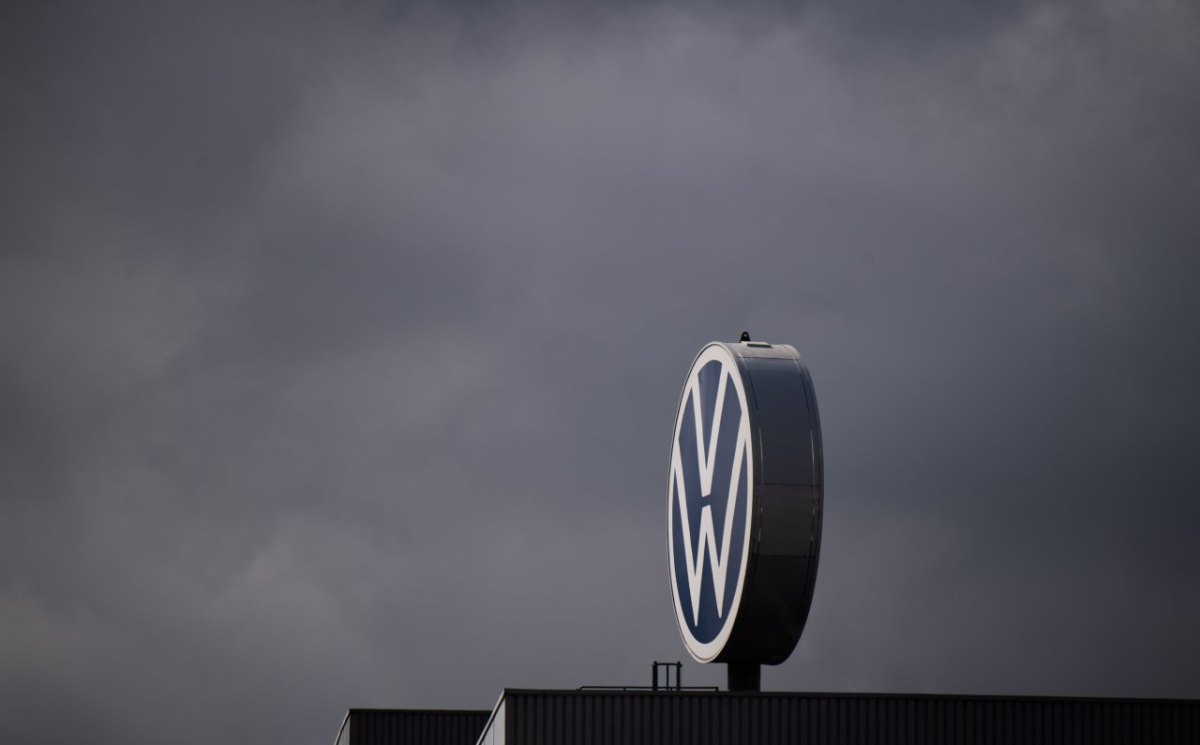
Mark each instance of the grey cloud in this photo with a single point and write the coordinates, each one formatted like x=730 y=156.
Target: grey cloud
x=339 y=346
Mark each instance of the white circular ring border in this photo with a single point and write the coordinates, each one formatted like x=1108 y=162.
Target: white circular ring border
x=701 y=651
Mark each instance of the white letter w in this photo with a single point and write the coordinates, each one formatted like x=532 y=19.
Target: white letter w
x=707 y=538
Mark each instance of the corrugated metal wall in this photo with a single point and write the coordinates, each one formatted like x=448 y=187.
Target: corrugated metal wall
x=415 y=727
x=595 y=718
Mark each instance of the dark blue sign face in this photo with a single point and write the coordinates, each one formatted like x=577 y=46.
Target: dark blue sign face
x=710 y=500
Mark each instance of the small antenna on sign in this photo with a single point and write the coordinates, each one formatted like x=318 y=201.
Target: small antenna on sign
x=745 y=336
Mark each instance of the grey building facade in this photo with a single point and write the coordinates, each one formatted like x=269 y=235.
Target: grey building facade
x=525 y=717
x=683 y=717
x=395 y=726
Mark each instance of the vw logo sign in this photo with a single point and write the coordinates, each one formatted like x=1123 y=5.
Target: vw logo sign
x=744 y=503
x=710 y=502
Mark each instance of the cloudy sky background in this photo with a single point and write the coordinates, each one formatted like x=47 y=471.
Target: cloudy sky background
x=340 y=346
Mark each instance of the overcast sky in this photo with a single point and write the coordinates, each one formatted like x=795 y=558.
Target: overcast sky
x=340 y=345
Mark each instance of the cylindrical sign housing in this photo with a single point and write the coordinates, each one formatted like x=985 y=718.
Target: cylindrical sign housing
x=744 y=503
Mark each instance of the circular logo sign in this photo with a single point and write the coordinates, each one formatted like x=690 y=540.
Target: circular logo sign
x=710 y=501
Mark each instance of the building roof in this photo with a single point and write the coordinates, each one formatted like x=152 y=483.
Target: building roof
x=411 y=727
x=592 y=717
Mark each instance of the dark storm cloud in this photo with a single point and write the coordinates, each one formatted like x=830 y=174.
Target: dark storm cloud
x=338 y=346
